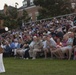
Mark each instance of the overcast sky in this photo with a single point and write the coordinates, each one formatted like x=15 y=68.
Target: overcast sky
x=10 y=2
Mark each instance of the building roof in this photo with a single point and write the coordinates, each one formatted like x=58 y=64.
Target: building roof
x=9 y=7
x=24 y=7
x=2 y=11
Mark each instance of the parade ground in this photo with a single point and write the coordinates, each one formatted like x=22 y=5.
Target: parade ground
x=39 y=67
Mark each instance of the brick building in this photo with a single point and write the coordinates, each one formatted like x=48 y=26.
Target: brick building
x=31 y=9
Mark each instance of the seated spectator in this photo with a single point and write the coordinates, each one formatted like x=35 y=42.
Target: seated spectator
x=49 y=45
x=7 y=49
x=15 y=46
x=44 y=46
x=21 y=51
x=59 y=43
x=59 y=33
x=24 y=51
x=35 y=46
x=74 y=46
x=68 y=48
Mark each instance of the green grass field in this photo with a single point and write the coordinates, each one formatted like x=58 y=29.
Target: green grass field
x=39 y=67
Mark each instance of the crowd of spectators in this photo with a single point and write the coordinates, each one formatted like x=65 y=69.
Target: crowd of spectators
x=56 y=37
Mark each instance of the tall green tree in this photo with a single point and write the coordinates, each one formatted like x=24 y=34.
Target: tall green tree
x=25 y=16
x=50 y=8
x=10 y=19
x=13 y=13
x=2 y=16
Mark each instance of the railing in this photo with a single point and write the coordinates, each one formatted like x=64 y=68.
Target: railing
x=61 y=16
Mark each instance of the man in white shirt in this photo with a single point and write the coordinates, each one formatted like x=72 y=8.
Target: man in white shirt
x=35 y=46
x=49 y=45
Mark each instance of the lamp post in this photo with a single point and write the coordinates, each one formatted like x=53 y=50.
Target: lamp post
x=16 y=4
x=3 y=30
x=6 y=29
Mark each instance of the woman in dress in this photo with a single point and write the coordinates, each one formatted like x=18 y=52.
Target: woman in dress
x=2 y=69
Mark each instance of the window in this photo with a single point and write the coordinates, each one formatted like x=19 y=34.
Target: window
x=31 y=2
x=25 y=3
x=73 y=5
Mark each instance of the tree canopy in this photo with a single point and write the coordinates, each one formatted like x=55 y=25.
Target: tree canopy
x=11 y=19
x=50 y=8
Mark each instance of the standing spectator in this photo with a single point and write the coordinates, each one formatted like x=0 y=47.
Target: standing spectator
x=2 y=69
